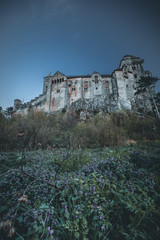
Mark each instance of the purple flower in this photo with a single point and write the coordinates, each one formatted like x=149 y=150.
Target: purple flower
x=102 y=228
x=100 y=208
x=100 y=217
x=50 y=231
x=65 y=207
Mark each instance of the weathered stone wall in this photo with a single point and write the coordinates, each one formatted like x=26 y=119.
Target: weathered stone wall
x=91 y=92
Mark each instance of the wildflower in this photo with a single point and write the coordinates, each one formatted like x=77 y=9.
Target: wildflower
x=54 y=222
x=102 y=228
x=65 y=207
x=50 y=231
x=100 y=217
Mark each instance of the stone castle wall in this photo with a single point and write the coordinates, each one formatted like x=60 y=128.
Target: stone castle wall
x=90 y=92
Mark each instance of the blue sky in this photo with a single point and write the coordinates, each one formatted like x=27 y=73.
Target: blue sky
x=73 y=36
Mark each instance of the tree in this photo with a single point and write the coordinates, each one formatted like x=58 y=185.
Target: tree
x=146 y=85
x=8 y=112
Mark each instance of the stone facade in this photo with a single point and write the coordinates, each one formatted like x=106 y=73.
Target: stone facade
x=94 y=92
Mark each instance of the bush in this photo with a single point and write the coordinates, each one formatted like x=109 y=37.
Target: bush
x=66 y=130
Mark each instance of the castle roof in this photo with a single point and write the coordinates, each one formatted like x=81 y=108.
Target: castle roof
x=131 y=56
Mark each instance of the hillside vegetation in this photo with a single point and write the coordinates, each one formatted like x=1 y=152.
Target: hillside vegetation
x=61 y=178
x=66 y=130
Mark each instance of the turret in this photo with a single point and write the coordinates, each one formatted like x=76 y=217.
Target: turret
x=46 y=82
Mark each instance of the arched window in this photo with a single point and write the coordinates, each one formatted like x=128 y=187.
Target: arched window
x=96 y=79
x=73 y=89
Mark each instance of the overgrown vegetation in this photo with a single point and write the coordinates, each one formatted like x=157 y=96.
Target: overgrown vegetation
x=66 y=130
x=93 y=194
x=61 y=178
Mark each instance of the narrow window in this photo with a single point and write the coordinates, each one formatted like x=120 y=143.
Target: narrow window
x=135 y=75
x=58 y=90
x=96 y=79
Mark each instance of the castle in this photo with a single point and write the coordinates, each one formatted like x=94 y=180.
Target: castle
x=106 y=92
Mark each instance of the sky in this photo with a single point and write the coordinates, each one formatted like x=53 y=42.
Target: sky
x=74 y=37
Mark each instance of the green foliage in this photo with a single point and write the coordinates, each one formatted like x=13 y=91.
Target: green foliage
x=110 y=193
x=38 y=130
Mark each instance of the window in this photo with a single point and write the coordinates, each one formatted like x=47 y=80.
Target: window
x=62 y=79
x=135 y=75
x=133 y=68
x=126 y=77
x=73 y=89
x=85 y=88
x=96 y=79
x=58 y=90
x=96 y=88
x=57 y=80
x=127 y=86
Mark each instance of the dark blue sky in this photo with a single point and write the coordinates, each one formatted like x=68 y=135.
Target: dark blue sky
x=73 y=36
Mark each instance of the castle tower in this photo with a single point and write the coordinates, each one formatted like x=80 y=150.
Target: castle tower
x=129 y=71
x=57 y=96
